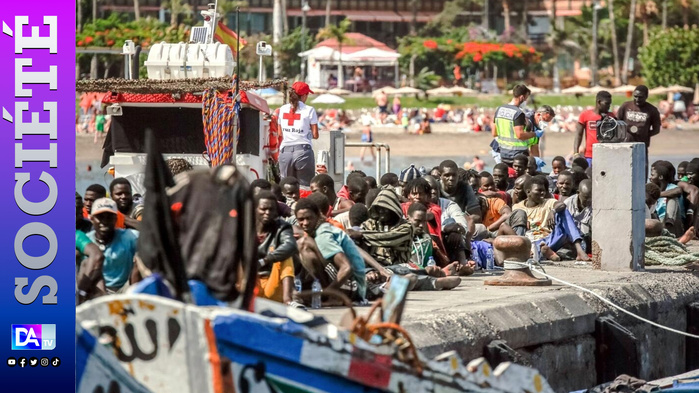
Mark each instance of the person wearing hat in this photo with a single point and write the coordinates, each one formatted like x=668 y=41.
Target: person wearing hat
x=406 y=175
x=299 y=124
x=117 y=245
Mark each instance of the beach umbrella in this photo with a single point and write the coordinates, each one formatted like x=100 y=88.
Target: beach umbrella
x=660 y=90
x=533 y=89
x=624 y=89
x=679 y=89
x=275 y=100
x=386 y=89
x=440 y=91
x=339 y=92
x=462 y=91
x=267 y=92
x=536 y=90
x=408 y=91
x=328 y=99
x=596 y=89
x=577 y=89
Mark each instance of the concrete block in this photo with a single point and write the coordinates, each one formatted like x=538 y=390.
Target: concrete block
x=617 y=240
x=618 y=176
x=618 y=198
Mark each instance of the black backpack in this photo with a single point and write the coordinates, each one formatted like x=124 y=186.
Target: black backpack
x=611 y=130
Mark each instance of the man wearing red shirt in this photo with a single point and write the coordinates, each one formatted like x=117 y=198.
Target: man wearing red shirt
x=588 y=122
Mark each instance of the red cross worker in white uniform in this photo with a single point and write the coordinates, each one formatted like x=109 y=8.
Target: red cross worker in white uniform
x=298 y=123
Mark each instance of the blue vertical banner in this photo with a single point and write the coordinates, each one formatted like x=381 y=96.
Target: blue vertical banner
x=37 y=185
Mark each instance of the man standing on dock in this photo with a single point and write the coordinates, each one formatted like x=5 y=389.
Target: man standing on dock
x=510 y=122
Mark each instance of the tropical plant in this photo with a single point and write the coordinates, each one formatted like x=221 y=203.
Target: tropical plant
x=670 y=57
x=426 y=79
x=339 y=33
x=291 y=45
x=114 y=30
x=176 y=8
x=228 y=7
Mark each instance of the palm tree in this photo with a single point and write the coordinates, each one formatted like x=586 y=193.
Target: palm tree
x=277 y=30
x=615 y=43
x=524 y=22
x=645 y=11
x=506 y=13
x=413 y=21
x=562 y=41
x=486 y=13
x=136 y=9
x=327 y=13
x=339 y=33
x=177 y=8
x=629 y=42
x=686 y=6
x=227 y=7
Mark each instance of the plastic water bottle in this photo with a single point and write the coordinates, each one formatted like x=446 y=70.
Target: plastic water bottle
x=316 y=289
x=490 y=258
x=297 y=284
x=431 y=262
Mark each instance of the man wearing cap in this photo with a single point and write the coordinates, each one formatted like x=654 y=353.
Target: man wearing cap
x=642 y=118
x=299 y=124
x=117 y=245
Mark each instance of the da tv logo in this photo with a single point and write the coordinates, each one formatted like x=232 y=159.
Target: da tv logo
x=33 y=337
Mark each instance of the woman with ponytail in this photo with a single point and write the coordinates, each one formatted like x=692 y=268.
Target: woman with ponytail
x=298 y=123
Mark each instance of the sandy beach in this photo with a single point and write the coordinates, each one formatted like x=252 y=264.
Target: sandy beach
x=452 y=144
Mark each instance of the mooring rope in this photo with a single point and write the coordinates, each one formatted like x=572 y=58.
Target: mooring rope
x=609 y=302
x=668 y=251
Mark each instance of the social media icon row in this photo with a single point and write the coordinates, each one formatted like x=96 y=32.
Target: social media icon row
x=33 y=362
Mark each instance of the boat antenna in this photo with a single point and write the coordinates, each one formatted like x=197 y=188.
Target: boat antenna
x=214 y=22
x=237 y=50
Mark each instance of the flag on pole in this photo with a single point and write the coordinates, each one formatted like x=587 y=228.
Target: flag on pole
x=227 y=36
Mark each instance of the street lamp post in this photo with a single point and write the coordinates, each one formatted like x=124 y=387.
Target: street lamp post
x=304 y=9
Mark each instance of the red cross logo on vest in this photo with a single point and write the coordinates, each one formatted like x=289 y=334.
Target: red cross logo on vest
x=291 y=117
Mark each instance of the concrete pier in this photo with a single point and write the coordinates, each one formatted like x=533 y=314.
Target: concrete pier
x=556 y=329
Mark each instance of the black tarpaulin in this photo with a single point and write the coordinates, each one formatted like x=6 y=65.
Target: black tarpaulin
x=158 y=245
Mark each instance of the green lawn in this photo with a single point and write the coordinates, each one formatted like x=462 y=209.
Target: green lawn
x=487 y=101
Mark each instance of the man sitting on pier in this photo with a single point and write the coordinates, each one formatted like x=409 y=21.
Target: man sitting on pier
x=580 y=208
x=328 y=255
x=565 y=186
x=291 y=190
x=677 y=199
x=495 y=209
x=276 y=249
x=459 y=191
x=545 y=221
x=517 y=192
x=325 y=185
x=386 y=234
